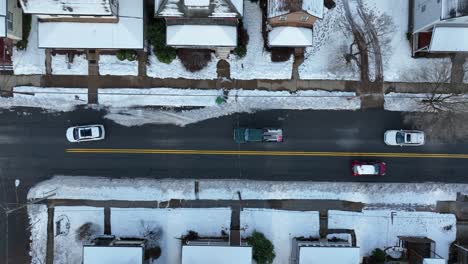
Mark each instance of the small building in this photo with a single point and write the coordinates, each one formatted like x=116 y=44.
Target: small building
x=438 y=26
x=112 y=250
x=11 y=31
x=201 y=24
x=290 y=22
x=420 y=250
x=91 y=24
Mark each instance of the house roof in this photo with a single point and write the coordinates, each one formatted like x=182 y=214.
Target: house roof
x=201 y=35
x=449 y=39
x=217 y=8
x=3 y=7
x=126 y=34
x=67 y=7
x=112 y=255
x=290 y=37
x=282 y=7
x=454 y=8
x=216 y=255
x=321 y=255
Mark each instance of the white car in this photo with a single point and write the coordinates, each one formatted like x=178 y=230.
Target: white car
x=404 y=138
x=86 y=133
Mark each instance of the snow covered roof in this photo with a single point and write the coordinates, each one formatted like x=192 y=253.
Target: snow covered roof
x=434 y=261
x=201 y=35
x=454 y=8
x=126 y=34
x=3 y=7
x=290 y=37
x=67 y=7
x=112 y=255
x=216 y=255
x=282 y=7
x=449 y=39
x=321 y=255
x=217 y=8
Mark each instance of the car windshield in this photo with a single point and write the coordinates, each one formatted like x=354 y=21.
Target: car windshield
x=85 y=132
x=400 y=138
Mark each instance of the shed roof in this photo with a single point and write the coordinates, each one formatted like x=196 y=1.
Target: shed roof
x=126 y=34
x=321 y=255
x=112 y=255
x=216 y=255
x=201 y=35
x=282 y=7
x=449 y=39
x=290 y=37
x=67 y=7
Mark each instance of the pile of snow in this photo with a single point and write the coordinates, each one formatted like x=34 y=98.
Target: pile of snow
x=61 y=65
x=176 y=69
x=68 y=246
x=158 y=97
x=391 y=194
x=238 y=101
x=111 y=65
x=31 y=60
x=381 y=228
x=38 y=221
x=53 y=99
x=257 y=63
x=280 y=227
x=172 y=224
x=408 y=102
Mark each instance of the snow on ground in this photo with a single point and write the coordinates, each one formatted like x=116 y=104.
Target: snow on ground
x=380 y=228
x=158 y=97
x=238 y=101
x=391 y=194
x=31 y=60
x=38 y=221
x=68 y=248
x=324 y=59
x=175 y=69
x=406 y=102
x=173 y=223
x=60 y=65
x=257 y=63
x=111 y=65
x=280 y=227
x=53 y=99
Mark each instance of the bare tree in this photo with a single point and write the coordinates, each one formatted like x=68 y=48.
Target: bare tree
x=152 y=233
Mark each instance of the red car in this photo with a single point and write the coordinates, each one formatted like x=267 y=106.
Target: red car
x=362 y=168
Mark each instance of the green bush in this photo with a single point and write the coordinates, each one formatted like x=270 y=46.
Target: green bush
x=156 y=34
x=121 y=55
x=23 y=44
x=378 y=256
x=240 y=51
x=263 y=249
x=242 y=41
x=129 y=55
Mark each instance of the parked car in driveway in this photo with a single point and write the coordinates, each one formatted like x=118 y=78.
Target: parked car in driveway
x=244 y=135
x=404 y=138
x=363 y=168
x=85 y=133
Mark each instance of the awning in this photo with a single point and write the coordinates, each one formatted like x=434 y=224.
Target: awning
x=449 y=39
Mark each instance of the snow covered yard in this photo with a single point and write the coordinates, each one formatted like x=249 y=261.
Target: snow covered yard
x=380 y=228
x=111 y=65
x=61 y=65
x=408 y=102
x=53 y=99
x=175 y=69
x=257 y=63
x=172 y=223
x=390 y=194
x=38 y=220
x=68 y=246
x=31 y=60
x=280 y=227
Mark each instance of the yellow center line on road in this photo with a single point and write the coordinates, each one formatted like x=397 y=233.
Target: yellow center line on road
x=267 y=153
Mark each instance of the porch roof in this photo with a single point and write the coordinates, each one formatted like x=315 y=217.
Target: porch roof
x=202 y=35
x=290 y=37
x=449 y=39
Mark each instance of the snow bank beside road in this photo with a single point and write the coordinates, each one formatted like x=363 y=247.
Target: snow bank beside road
x=393 y=194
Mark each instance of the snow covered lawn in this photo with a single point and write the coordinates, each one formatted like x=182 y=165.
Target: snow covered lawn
x=68 y=247
x=157 y=69
x=409 y=102
x=391 y=194
x=111 y=65
x=60 y=65
x=38 y=221
x=53 y=99
x=31 y=60
x=379 y=229
x=173 y=223
x=280 y=227
x=257 y=63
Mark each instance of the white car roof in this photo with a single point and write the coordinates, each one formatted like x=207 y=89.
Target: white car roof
x=365 y=169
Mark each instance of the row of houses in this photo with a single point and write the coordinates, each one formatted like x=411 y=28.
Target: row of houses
x=434 y=25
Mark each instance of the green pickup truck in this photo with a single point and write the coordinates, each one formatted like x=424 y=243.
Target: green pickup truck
x=244 y=135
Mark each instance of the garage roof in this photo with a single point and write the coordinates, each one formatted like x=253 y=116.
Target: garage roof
x=216 y=255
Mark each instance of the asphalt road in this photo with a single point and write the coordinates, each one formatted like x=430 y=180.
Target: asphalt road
x=33 y=148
